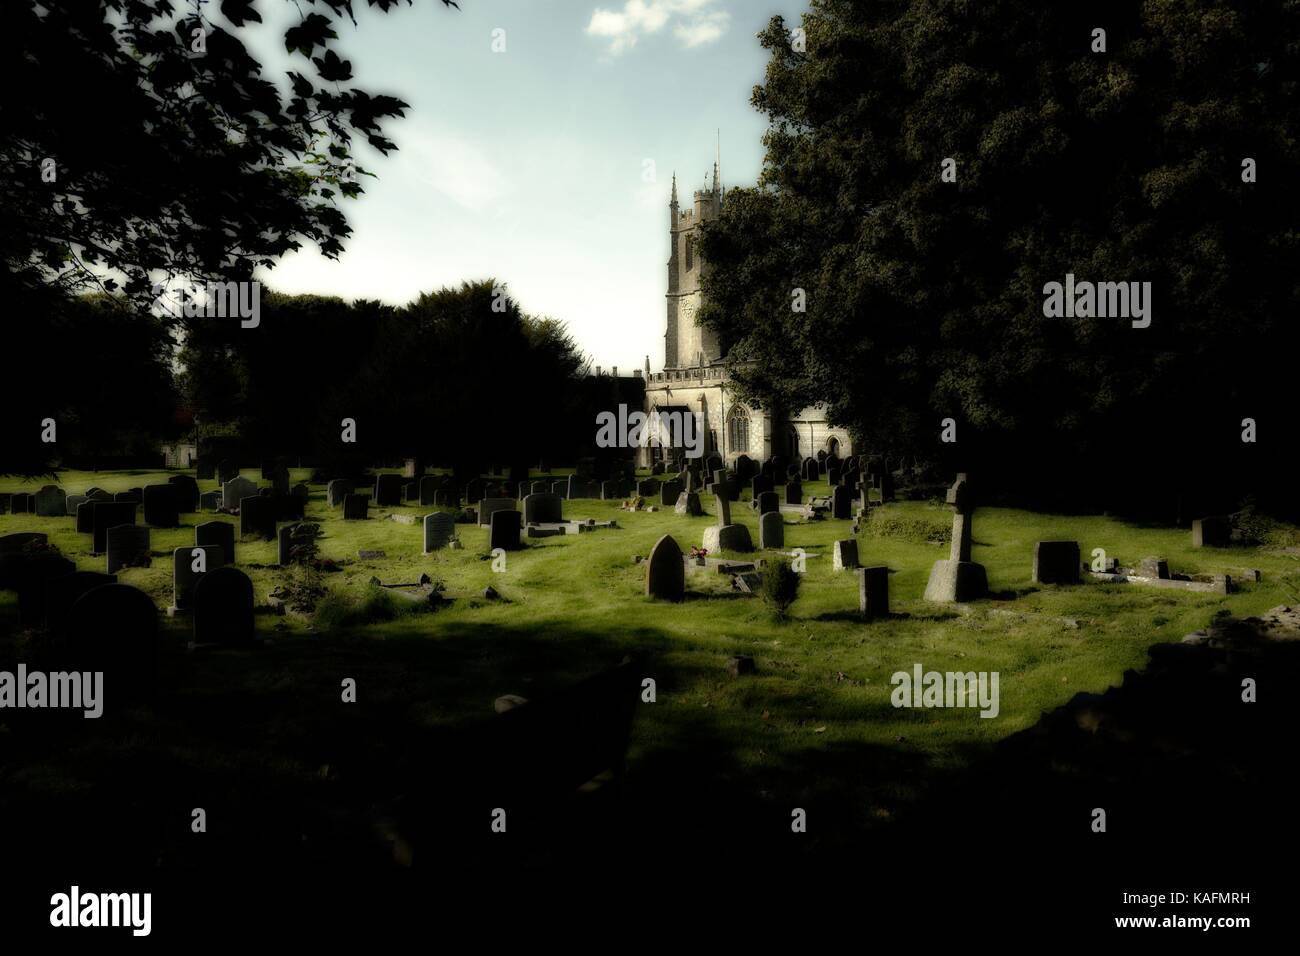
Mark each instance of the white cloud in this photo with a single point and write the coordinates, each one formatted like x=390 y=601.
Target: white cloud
x=695 y=22
x=457 y=168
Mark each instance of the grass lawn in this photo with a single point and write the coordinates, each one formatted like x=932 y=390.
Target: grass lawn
x=813 y=727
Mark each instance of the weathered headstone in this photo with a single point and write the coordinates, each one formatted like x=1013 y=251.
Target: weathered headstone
x=487 y=506
x=22 y=503
x=1056 y=562
x=71 y=503
x=127 y=546
x=188 y=565
x=109 y=514
x=543 y=509
x=257 y=516
x=1213 y=532
x=771 y=530
x=236 y=490
x=768 y=501
x=218 y=533
x=223 y=608
x=355 y=507
x=688 y=503
x=665 y=574
x=336 y=490
x=290 y=538
x=475 y=489
x=845 y=555
x=647 y=488
x=873 y=592
x=841 y=502
x=730 y=537
x=160 y=509
x=86 y=517
x=505 y=529
x=793 y=493
x=388 y=491
x=51 y=502
x=613 y=490
x=669 y=490
x=210 y=501
x=722 y=505
x=761 y=485
x=1153 y=567
x=429 y=485
x=958 y=578
x=439 y=529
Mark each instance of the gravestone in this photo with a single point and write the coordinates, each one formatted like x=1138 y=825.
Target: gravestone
x=505 y=529
x=429 y=486
x=668 y=492
x=665 y=572
x=72 y=503
x=223 y=608
x=688 y=503
x=4 y=502
x=62 y=592
x=958 y=578
x=236 y=490
x=1211 y=532
x=86 y=517
x=873 y=592
x=613 y=490
x=647 y=488
x=186 y=491
x=744 y=467
x=439 y=529
x=257 y=516
x=833 y=474
x=218 y=533
x=768 y=501
x=301 y=492
x=133 y=497
x=190 y=564
x=488 y=506
x=475 y=489
x=210 y=500
x=51 y=502
x=845 y=555
x=540 y=488
x=841 y=502
x=22 y=541
x=411 y=492
x=388 y=491
x=1153 y=567
x=723 y=507
x=336 y=490
x=279 y=479
x=289 y=538
x=127 y=546
x=160 y=509
x=204 y=468
x=811 y=470
x=446 y=498
x=793 y=493
x=21 y=503
x=793 y=472
x=227 y=470
x=761 y=485
x=113 y=628
x=109 y=514
x=543 y=509
x=657 y=468
x=730 y=537
x=771 y=530
x=1056 y=562
x=355 y=507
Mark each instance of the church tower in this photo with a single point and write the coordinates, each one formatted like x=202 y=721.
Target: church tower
x=686 y=344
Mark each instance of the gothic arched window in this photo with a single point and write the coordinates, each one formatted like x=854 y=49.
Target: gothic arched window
x=690 y=253
x=737 y=429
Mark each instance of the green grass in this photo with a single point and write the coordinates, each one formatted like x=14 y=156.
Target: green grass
x=799 y=728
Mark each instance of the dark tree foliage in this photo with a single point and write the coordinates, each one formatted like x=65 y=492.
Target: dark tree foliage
x=925 y=298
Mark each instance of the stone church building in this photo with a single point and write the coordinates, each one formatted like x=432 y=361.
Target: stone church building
x=694 y=376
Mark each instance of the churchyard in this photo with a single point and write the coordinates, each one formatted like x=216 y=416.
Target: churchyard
x=262 y=728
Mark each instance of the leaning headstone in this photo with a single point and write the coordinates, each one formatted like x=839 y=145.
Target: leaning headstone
x=218 y=533
x=771 y=530
x=188 y=566
x=388 y=491
x=873 y=592
x=958 y=578
x=439 y=529
x=505 y=529
x=355 y=507
x=488 y=506
x=127 y=546
x=236 y=490
x=223 y=608
x=730 y=537
x=665 y=573
x=688 y=503
x=845 y=555
x=257 y=517
x=543 y=509
x=1212 y=532
x=429 y=485
x=160 y=509
x=186 y=491
x=109 y=514
x=51 y=502
x=1056 y=562
x=336 y=490
x=668 y=492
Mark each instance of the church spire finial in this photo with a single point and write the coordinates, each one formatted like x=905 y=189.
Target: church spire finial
x=674 y=199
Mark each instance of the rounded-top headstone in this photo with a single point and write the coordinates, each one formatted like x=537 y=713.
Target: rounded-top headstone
x=665 y=574
x=223 y=608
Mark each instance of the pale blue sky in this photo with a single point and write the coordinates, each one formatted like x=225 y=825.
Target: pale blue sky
x=528 y=164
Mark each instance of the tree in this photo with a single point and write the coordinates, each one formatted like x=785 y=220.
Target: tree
x=925 y=296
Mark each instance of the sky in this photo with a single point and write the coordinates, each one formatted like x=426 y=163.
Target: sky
x=546 y=166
